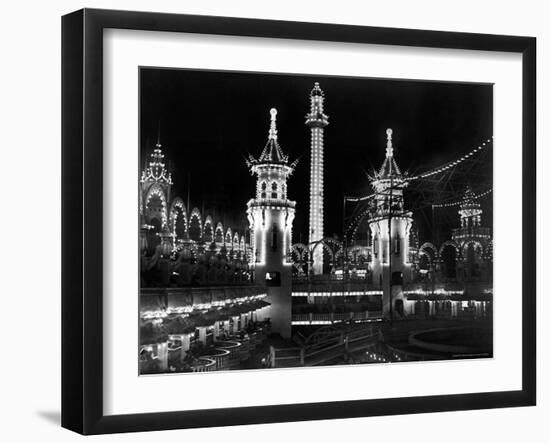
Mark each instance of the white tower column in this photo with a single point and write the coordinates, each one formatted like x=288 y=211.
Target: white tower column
x=316 y=120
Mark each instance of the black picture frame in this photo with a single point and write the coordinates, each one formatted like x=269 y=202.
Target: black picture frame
x=82 y=230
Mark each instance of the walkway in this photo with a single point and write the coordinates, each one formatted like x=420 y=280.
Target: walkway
x=335 y=344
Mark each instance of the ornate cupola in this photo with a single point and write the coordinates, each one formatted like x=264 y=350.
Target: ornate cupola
x=388 y=183
x=155 y=171
x=471 y=232
x=470 y=210
x=272 y=161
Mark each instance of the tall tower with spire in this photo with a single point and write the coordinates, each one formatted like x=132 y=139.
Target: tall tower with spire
x=390 y=225
x=270 y=215
x=316 y=120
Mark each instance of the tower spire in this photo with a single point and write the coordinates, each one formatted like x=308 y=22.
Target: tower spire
x=389 y=166
x=272 y=152
x=156 y=169
x=389 y=146
x=158 y=135
x=273 y=125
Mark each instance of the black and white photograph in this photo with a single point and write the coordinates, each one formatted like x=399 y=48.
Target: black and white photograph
x=275 y=221
x=294 y=220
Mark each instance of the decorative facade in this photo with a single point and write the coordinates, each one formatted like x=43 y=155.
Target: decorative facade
x=155 y=186
x=166 y=221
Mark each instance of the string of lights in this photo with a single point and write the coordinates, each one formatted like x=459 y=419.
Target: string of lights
x=354 y=223
x=359 y=199
x=450 y=165
x=459 y=202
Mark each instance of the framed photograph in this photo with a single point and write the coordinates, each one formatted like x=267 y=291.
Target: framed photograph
x=269 y=221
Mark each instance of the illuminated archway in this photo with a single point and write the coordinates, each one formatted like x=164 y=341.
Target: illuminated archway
x=426 y=259
x=330 y=246
x=429 y=249
x=156 y=205
x=228 y=239
x=299 y=252
x=449 y=254
x=477 y=247
x=208 y=230
x=472 y=254
x=178 y=218
x=218 y=233
x=195 y=225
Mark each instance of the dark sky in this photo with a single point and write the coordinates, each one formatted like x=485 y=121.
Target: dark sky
x=209 y=121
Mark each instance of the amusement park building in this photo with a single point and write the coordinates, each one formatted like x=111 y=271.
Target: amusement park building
x=192 y=263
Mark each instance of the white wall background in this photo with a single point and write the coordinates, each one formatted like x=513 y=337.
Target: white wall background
x=30 y=217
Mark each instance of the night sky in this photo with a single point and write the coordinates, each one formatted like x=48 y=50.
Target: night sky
x=210 y=120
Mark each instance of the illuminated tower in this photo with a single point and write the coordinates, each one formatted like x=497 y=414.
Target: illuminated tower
x=155 y=181
x=154 y=197
x=474 y=240
x=469 y=212
x=270 y=215
x=390 y=226
x=316 y=120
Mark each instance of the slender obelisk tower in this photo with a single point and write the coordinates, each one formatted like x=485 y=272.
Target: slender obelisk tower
x=316 y=120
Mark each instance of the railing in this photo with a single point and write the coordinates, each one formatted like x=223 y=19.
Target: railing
x=337 y=287
x=457 y=291
x=331 y=347
x=472 y=232
x=272 y=202
x=221 y=357
x=286 y=357
x=205 y=364
x=334 y=317
x=203 y=290
x=343 y=343
x=233 y=347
